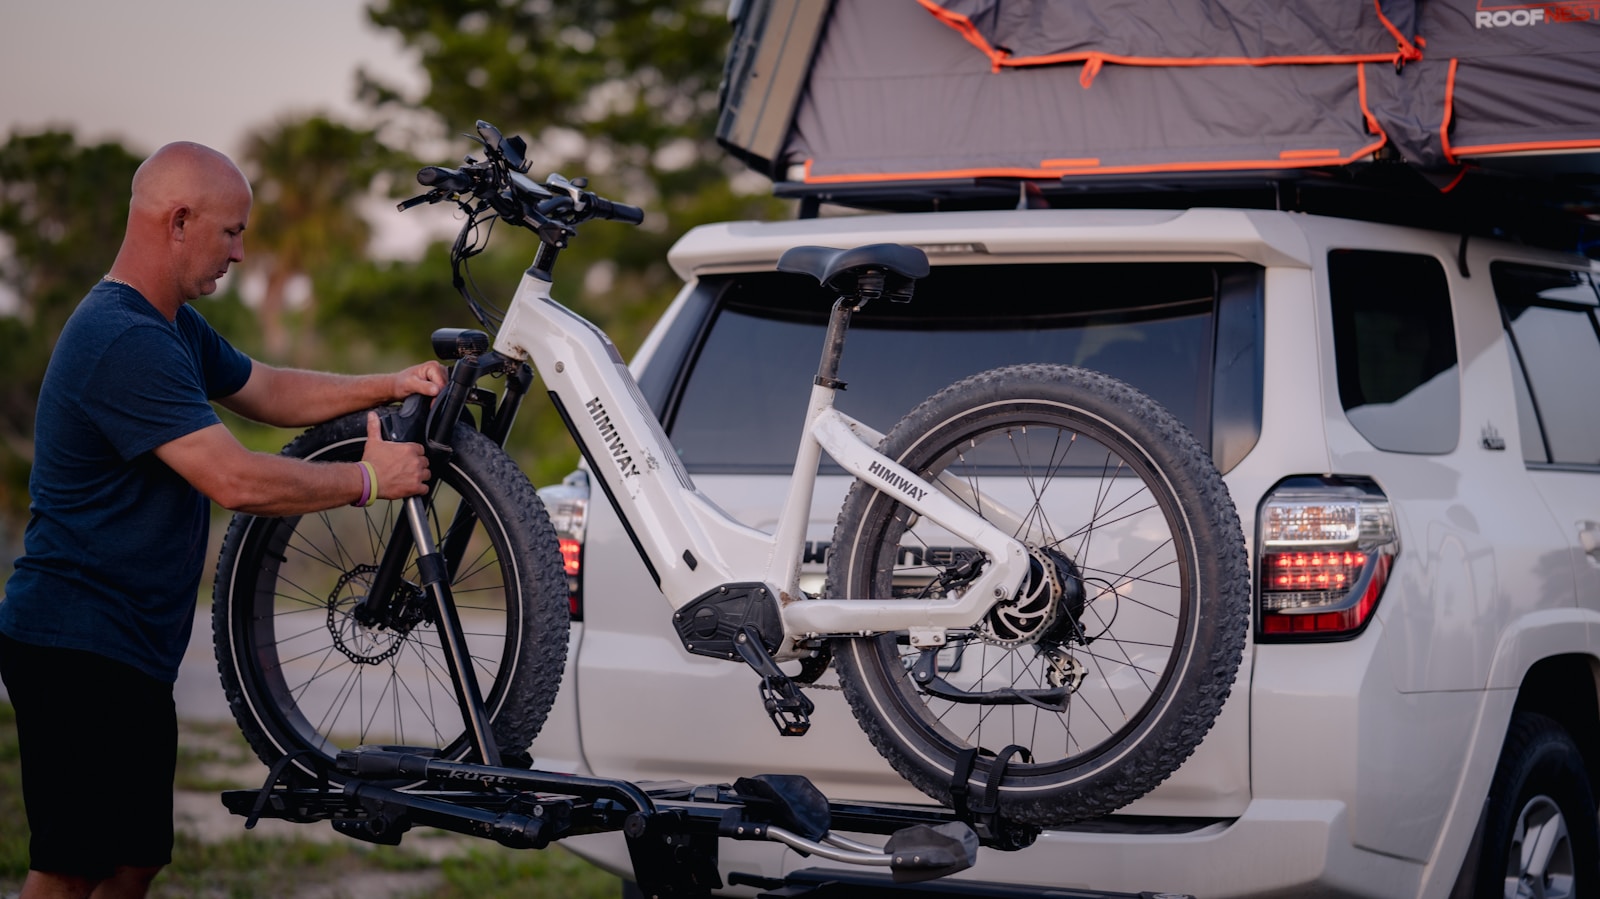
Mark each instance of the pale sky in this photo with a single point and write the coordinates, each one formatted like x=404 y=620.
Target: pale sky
x=152 y=71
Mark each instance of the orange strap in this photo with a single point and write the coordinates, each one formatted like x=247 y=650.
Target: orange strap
x=1449 y=112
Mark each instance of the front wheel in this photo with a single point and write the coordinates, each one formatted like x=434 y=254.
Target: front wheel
x=306 y=672
x=1114 y=659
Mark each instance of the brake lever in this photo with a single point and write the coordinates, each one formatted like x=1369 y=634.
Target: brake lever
x=572 y=189
x=429 y=197
x=556 y=205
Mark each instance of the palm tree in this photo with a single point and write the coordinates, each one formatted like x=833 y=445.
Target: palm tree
x=309 y=175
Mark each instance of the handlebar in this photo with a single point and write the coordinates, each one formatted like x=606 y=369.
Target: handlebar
x=553 y=210
x=498 y=188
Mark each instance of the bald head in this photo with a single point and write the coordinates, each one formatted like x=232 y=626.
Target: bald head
x=186 y=224
x=182 y=173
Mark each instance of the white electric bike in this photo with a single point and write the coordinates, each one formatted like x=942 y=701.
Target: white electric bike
x=1037 y=591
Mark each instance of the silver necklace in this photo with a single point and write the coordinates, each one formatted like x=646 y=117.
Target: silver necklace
x=116 y=281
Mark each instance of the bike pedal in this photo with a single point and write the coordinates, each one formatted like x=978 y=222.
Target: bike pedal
x=791 y=712
x=789 y=709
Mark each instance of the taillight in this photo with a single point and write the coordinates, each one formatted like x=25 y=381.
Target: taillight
x=568 y=505
x=572 y=562
x=1324 y=547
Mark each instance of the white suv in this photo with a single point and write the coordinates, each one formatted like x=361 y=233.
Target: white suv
x=1417 y=709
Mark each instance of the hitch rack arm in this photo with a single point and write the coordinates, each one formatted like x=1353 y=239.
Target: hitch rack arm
x=672 y=827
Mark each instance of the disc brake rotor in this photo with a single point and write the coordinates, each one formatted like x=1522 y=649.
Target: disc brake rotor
x=1050 y=591
x=358 y=642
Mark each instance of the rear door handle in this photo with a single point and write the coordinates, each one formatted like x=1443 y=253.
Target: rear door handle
x=1589 y=538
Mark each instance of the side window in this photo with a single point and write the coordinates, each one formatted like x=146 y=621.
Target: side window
x=1395 y=347
x=1550 y=315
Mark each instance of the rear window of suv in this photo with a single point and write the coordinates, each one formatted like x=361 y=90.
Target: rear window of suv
x=733 y=375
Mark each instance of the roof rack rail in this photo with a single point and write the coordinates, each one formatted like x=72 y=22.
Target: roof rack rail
x=1560 y=211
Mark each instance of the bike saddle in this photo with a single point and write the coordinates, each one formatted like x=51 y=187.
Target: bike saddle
x=840 y=269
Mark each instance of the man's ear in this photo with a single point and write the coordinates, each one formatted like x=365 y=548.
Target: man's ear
x=177 y=221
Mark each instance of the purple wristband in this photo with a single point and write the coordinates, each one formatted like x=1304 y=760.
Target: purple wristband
x=366 y=486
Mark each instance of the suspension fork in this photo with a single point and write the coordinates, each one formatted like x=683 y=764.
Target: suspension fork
x=497 y=421
x=438 y=564
x=433 y=427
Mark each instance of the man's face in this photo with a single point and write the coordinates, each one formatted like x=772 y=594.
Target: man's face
x=214 y=239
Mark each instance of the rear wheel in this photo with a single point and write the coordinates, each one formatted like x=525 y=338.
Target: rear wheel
x=304 y=672
x=1114 y=659
x=1539 y=833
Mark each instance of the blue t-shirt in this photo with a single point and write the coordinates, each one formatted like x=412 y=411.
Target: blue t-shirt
x=116 y=541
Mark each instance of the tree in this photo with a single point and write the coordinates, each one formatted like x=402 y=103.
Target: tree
x=63 y=208
x=309 y=176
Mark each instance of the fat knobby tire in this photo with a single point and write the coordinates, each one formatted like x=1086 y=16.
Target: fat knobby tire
x=1204 y=591
x=282 y=622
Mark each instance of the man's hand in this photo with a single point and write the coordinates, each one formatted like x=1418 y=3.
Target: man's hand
x=426 y=378
x=402 y=467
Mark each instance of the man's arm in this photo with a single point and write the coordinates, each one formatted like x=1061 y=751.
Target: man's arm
x=292 y=398
x=218 y=465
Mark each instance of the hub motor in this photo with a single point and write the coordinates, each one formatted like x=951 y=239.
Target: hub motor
x=1052 y=593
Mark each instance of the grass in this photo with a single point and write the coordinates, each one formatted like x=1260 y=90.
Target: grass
x=211 y=758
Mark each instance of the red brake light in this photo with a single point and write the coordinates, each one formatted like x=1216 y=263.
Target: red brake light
x=1325 y=547
x=568 y=504
x=1344 y=622
x=571 y=555
x=572 y=563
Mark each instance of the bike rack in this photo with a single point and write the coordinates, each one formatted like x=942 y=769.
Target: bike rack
x=672 y=828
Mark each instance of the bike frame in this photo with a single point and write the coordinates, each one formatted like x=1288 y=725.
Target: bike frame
x=690 y=545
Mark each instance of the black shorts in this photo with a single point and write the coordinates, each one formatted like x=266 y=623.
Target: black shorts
x=99 y=747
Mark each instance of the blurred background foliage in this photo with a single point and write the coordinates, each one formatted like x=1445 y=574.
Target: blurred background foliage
x=621 y=91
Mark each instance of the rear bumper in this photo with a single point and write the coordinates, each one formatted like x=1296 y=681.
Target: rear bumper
x=1297 y=848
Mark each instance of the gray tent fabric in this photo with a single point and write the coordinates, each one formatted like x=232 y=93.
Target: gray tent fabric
x=1251 y=32
x=901 y=91
x=925 y=105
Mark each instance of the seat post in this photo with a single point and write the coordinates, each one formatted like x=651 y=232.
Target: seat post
x=869 y=285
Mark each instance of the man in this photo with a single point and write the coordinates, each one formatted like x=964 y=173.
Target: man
x=127 y=450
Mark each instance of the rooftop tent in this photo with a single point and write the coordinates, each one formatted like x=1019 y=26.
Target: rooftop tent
x=768 y=65
x=902 y=100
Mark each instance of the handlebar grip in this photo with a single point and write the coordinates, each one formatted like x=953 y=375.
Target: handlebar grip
x=453 y=180
x=617 y=212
